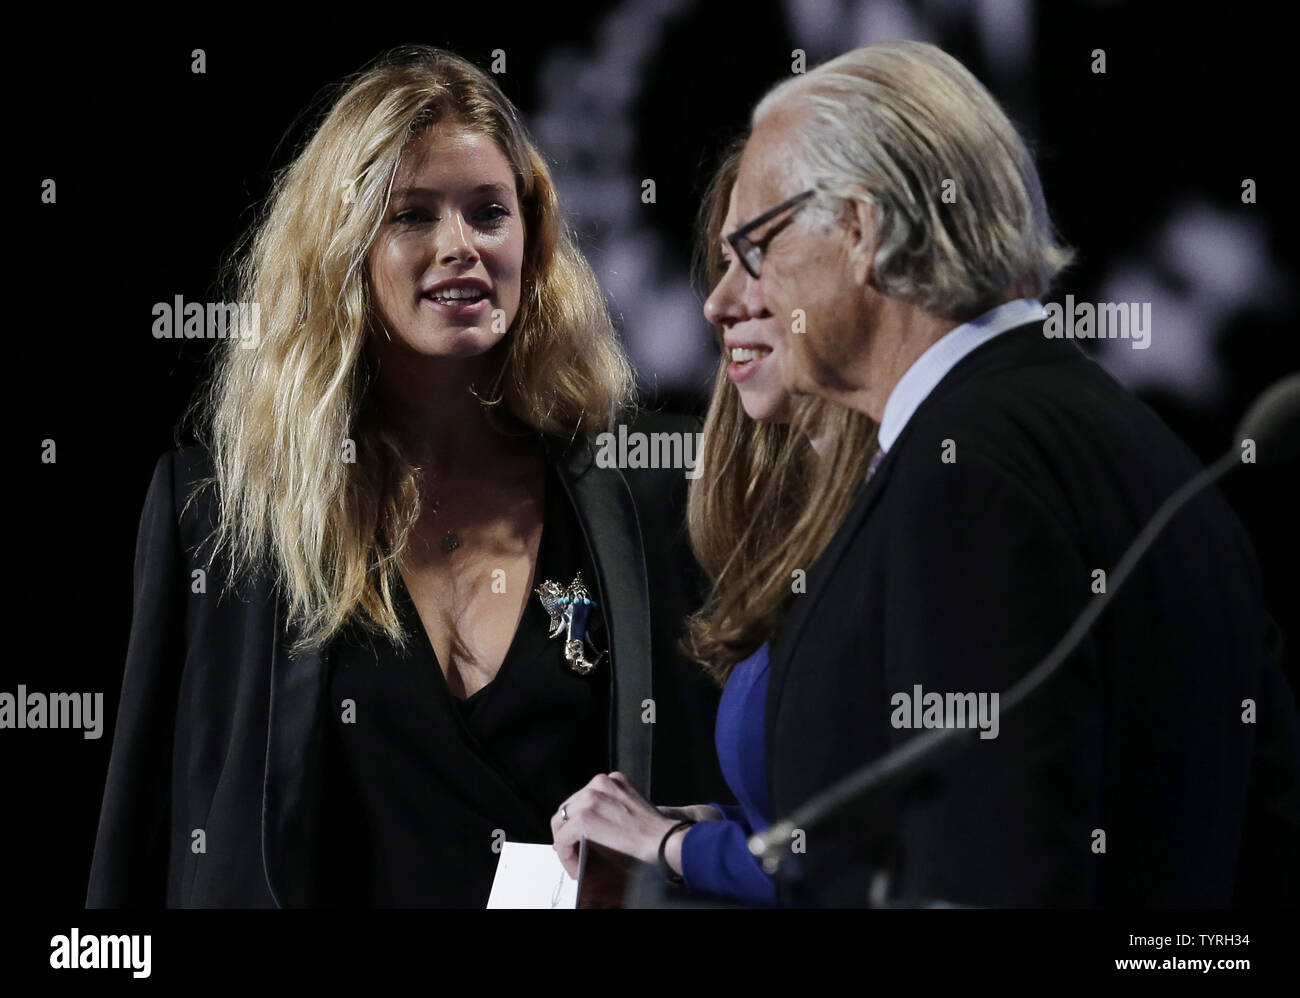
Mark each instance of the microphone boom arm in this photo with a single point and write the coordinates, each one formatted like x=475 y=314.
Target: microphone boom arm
x=895 y=766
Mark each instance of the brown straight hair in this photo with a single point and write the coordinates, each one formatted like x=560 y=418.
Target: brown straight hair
x=768 y=502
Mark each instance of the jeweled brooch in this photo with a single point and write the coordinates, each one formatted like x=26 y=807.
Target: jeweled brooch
x=570 y=609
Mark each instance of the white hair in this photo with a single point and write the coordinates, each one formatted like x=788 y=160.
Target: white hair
x=960 y=215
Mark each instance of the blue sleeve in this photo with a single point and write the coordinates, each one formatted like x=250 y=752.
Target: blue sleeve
x=733 y=812
x=716 y=860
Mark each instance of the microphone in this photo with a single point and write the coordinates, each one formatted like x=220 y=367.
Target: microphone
x=1273 y=422
x=1269 y=434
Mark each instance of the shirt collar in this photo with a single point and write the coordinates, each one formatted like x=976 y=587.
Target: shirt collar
x=942 y=356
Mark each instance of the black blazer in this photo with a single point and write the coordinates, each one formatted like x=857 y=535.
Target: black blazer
x=961 y=576
x=214 y=707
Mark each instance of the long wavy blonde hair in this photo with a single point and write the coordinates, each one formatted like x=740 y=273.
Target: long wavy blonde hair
x=276 y=418
x=767 y=503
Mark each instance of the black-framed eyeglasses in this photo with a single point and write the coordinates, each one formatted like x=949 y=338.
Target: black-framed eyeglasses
x=750 y=252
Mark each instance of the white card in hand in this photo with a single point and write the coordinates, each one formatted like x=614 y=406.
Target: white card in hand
x=530 y=875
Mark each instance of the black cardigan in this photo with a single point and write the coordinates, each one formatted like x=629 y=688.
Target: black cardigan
x=219 y=727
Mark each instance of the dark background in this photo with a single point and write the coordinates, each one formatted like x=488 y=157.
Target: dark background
x=158 y=170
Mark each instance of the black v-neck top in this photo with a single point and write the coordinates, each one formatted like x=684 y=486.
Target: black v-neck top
x=419 y=788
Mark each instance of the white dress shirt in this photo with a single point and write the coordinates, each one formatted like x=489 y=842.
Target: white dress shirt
x=929 y=369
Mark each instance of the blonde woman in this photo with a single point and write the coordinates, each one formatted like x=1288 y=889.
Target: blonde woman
x=779 y=474
x=390 y=613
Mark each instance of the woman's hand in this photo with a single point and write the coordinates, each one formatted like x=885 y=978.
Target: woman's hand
x=609 y=812
x=692 y=812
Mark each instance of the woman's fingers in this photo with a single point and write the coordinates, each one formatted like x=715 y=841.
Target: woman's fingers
x=610 y=812
x=568 y=853
x=580 y=801
x=625 y=789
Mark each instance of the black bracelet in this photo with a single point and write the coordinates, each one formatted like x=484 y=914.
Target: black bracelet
x=669 y=875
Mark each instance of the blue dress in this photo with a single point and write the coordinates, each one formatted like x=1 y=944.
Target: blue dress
x=716 y=860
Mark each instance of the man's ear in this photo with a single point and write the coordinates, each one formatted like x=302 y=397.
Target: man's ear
x=861 y=233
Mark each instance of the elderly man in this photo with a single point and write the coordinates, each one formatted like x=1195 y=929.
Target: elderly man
x=896 y=219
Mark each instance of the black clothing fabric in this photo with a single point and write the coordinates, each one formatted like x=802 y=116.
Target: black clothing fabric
x=213 y=794
x=1132 y=779
x=420 y=786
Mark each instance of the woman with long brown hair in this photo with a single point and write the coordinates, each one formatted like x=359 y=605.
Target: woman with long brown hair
x=778 y=474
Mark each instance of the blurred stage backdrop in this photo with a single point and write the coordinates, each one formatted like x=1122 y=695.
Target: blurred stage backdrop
x=158 y=169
